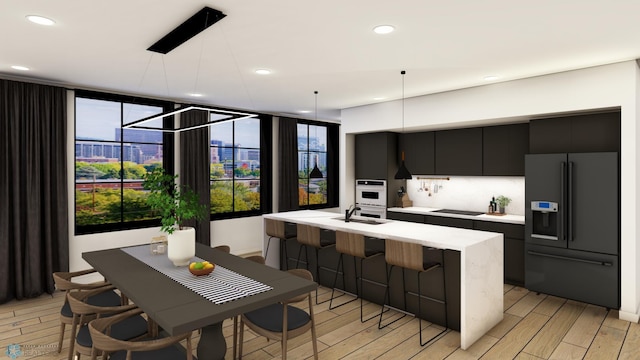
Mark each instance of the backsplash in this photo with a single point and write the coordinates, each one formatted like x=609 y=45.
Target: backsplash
x=467 y=192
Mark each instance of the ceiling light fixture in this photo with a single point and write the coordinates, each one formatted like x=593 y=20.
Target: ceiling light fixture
x=316 y=173
x=383 y=29
x=403 y=172
x=40 y=20
x=225 y=116
x=490 y=78
x=379 y=98
x=195 y=95
x=263 y=72
x=19 y=67
x=191 y=27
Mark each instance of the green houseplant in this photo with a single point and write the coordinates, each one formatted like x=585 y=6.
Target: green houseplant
x=502 y=201
x=175 y=204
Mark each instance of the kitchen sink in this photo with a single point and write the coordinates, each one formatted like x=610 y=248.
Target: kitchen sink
x=459 y=212
x=362 y=221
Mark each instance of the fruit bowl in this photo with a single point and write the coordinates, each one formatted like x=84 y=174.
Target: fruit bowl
x=201 y=268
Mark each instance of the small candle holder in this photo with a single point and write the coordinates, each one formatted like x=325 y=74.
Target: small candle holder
x=158 y=245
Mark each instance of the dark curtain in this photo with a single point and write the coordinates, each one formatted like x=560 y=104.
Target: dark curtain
x=194 y=166
x=288 y=167
x=34 y=236
x=333 y=173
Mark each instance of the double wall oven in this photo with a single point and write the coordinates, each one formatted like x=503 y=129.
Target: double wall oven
x=371 y=198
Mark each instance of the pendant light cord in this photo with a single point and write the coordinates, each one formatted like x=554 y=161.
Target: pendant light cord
x=402 y=73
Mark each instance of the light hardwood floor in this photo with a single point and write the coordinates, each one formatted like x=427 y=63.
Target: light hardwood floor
x=534 y=327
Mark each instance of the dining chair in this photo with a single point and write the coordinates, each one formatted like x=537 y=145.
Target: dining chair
x=283 y=321
x=223 y=248
x=156 y=348
x=412 y=256
x=260 y=260
x=81 y=341
x=64 y=282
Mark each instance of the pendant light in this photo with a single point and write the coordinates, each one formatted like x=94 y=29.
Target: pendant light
x=316 y=173
x=403 y=172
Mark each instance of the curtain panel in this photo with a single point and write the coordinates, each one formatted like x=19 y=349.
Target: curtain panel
x=194 y=166
x=288 y=168
x=34 y=235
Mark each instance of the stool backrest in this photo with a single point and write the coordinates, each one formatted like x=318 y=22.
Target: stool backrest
x=350 y=244
x=404 y=254
x=309 y=235
x=274 y=228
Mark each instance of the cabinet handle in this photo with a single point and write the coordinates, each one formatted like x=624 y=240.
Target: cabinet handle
x=593 y=262
x=561 y=208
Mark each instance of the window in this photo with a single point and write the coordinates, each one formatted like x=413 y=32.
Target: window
x=312 y=151
x=110 y=161
x=237 y=163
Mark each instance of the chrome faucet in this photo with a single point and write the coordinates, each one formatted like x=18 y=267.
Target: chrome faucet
x=349 y=212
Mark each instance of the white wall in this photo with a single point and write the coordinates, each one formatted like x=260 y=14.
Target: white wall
x=610 y=86
x=467 y=192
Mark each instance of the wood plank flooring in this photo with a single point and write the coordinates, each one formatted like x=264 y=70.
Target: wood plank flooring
x=534 y=327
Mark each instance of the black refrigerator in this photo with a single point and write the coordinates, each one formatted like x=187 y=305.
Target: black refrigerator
x=572 y=226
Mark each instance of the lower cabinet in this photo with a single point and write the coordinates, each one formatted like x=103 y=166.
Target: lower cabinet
x=513 y=239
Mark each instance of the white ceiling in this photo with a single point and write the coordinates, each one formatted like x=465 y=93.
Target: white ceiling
x=324 y=45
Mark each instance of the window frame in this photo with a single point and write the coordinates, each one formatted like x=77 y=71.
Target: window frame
x=266 y=169
x=332 y=169
x=168 y=163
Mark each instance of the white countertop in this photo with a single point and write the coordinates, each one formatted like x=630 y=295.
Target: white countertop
x=508 y=218
x=442 y=237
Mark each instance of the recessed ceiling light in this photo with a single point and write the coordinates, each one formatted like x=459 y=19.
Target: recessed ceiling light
x=21 y=68
x=40 y=20
x=491 y=77
x=383 y=29
x=379 y=98
x=263 y=72
x=304 y=111
x=195 y=95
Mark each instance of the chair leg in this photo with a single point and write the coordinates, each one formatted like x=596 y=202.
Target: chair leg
x=235 y=333
x=360 y=290
x=419 y=315
x=266 y=252
x=335 y=281
x=306 y=255
x=387 y=297
x=240 y=340
x=62 y=326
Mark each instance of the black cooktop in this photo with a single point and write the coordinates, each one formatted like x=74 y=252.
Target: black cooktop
x=459 y=212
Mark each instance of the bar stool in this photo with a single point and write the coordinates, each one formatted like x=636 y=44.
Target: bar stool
x=354 y=245
x=411 y=256
x=276 y=229
x=310 y=236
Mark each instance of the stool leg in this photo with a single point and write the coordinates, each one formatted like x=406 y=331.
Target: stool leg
x=419 y=315
x=306 y=256
x=387 y=296
x=266 y=252
x=339 y=268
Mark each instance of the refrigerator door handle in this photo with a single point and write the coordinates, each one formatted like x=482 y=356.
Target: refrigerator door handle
x=561 y=207
x=593 y=262
x=570 y=202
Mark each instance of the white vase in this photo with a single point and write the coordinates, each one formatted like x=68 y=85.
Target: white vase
x=182 y=246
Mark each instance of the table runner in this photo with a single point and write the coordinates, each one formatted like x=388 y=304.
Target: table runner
x=219 y=287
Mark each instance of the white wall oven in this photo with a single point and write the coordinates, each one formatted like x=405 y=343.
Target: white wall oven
x=371 y=198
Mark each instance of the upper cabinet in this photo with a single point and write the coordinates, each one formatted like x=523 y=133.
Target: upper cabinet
x=598 y=132
x=376 y=155
x=503 y=149
x=419 y=151
x=458 y=152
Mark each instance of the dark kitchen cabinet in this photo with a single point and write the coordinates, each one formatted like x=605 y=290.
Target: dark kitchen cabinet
x=580 y=133
x=419 y=149
x=458 y=152
x=376 y=155
x=448 y=221
x=402 y=216
x=513 y=248
x=503 y=149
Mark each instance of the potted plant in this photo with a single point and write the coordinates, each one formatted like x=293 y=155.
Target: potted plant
x=175 y=204
x=502 y=201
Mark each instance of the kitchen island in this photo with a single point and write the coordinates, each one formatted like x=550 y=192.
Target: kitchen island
x=480 y=253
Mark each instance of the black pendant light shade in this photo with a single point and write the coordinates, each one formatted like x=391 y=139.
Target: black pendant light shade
x=403 y=172
x=315 y=172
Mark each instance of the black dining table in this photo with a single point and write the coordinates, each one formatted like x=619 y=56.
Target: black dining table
x=177 y=309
